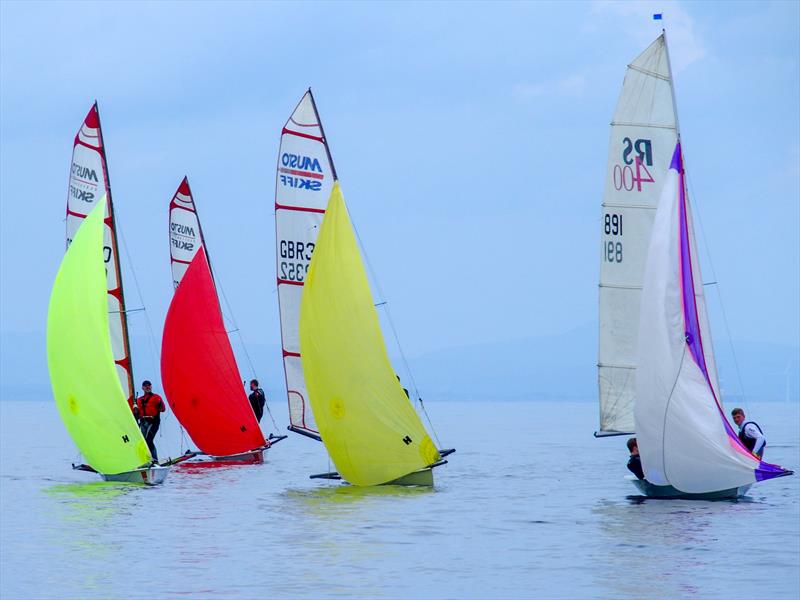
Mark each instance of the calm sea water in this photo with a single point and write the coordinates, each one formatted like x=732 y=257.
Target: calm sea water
x=531 y=505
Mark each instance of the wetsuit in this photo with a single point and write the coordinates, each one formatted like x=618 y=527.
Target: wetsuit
x=150 y=408
x=257 y=400
x=635 y=466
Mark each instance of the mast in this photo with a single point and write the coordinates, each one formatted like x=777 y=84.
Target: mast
x=111 y=221
x=324 y=137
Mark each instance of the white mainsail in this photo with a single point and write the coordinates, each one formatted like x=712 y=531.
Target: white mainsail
x=88 y=184
x=305 y=177
x=185 y=235
x=684 y=437
x=644 y=131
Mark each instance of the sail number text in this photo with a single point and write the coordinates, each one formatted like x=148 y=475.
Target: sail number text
x=633 y=172
x=295 y=259
x=612 y=249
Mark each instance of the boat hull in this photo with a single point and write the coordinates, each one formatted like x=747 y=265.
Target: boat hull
x=252 y=457
x=422 y=477
x=668 y=492
x=149 y=476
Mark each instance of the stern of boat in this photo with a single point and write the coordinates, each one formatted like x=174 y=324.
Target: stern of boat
x=154 y=475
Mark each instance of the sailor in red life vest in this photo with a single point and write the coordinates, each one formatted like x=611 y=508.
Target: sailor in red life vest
x=750 y=433
x=147 y=410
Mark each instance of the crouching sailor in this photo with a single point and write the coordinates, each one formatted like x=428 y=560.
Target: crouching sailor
x=147 y=410
x=750 y=433
x=635 y=461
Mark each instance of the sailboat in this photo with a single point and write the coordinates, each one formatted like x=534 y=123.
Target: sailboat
x=341 y=386
x=198 y=368
x=87 y=337
x=657 y=371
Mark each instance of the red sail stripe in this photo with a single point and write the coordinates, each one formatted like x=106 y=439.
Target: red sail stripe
x=300 y=208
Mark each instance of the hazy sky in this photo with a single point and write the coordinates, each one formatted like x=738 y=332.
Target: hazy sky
x=470 y=140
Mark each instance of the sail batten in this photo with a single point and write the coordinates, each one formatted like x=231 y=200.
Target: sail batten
x=644 y=130
x=304 y=178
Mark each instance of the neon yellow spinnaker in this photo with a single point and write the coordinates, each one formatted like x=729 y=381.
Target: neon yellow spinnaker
x=367 y=423
x=84 y=377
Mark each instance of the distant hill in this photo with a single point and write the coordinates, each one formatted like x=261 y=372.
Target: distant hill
x=557 y=367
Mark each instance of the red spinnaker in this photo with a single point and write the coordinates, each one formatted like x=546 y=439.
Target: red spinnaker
x=199 y=372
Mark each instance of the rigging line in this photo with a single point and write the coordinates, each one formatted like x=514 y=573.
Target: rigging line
x=385 y=304
x=236 y=329
x=154 y=347
x=719 y=295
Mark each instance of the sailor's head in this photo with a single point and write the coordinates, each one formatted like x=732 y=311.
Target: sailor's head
x=738 y=416
x=633 y=447
x=146 y=385
x=254 y=384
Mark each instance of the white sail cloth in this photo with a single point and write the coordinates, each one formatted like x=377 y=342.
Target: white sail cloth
x=305 y=176
x=683 y=435
x=642 y=138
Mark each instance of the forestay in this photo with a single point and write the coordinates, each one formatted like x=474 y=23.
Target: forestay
x=303 y=185
x=185 y=235
x=88 y=185
x=368 y=424
x=684 y=438
x=85 y=381
x=644 y=131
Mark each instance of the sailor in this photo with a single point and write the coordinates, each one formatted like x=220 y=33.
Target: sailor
x=257 y=399
x=750 y=433
x=635 y=461
x=149 y=407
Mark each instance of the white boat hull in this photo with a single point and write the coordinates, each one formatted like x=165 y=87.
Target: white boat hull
x=668 y=492
x=149 y=476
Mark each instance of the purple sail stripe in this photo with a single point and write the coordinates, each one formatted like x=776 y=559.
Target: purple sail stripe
x=677 y=160
x=691 y=320
x=766 y=471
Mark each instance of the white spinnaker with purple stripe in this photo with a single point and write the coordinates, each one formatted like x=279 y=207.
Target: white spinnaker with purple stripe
x=89 y=184
x=683 y=435
x=305 y=177
x=644 y=131
x=185 y=235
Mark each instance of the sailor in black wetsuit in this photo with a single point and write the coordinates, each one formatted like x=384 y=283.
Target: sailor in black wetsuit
x=635 y=462
x=257 y=399
x=749 y=433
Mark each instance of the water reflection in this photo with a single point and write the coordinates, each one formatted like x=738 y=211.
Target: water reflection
x=358 y=533
x=661 y=546
x=84 y=529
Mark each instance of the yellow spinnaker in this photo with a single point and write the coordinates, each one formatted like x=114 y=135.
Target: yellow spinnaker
x=84 y=377
x=367 y=423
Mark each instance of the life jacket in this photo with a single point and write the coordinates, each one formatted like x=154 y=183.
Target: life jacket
x=258 y=398
x=150 y=405
x=749 y=442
